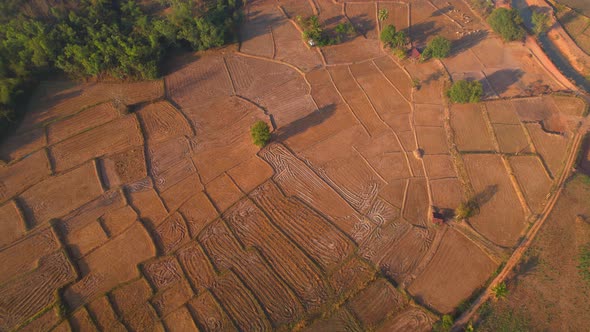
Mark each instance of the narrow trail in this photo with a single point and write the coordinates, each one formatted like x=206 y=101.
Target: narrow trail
x=526 y=242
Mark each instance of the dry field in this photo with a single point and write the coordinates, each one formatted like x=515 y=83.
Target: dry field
x=145 y=206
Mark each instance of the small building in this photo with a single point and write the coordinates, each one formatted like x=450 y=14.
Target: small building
x=437 y=217
x=415 y=54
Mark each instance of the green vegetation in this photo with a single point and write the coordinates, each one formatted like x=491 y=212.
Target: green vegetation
x=540 y=22
x=466 y=209
x=485 y=7
x=393 y=38
x=500 y=290
x=260 y=133
x=439 y=47
x=465 y=92
x=507 y=23
x=102 y=39
x=501 y=319
x=443 y=325
x=383 y=14
x=584 y=262
x=315 y=35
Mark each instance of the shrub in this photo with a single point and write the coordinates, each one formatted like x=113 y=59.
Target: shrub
x=260 y=133
x=439 y=47
x=383 y=14
x=465 y=92
x=540 y=22
x=500 y=290
x=466 y=210
x=443 y=325
x=400 y=53
x=506 y=22
x=483 y=6
x=393 y=38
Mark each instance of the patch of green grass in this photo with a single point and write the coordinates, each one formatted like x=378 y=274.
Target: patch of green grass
x=584 y=262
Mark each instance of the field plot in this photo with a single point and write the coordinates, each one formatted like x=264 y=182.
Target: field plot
x=399 y=15
x=161 y=121
x=552 y=147
x=363 y=17
x=209 y=313
x=341 y=320
x=23 y=174
x=18 y=146
x=90 y=118
x=456 y=257
x=256 y=33
x=293 y=8
x=412 y=319
x=502 y=112
x=471 y=132
x=533 y=180
x=576 y=25
x=112 y=137
x=512 y=139
x=447 y=193
x=291 y=49
x=501 y=217
x=375 y=302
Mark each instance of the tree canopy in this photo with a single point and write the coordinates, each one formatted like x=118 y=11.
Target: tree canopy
x=393 y=38
x=439 y=47
x=463 y=91
x=507 y=23
x=260 y=133
x=103 y=38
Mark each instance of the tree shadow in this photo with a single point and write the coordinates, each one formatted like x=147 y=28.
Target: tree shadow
x=503 y=79
x=467 y=41
x=301 y=125
x=441 y=11
x=528 y=265
x=420 y=32
x=485 y=195
x=363 y=24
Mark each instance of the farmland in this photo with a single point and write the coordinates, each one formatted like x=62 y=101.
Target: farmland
x=145 y=206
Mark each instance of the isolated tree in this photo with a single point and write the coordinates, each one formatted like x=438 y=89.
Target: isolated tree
x=506 y=22
x=500 y=290
x=260 y=133
x=383 y=14
x=465 y=210
x=465 y=92
x=540 y=22
x=443 y=325
x=393 y=38
x=439 y=47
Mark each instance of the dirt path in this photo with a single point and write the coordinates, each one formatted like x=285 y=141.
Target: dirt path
x=525 y=243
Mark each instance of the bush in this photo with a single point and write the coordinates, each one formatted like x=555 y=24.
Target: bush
x=383 y=14
x=466 y=210
x=393 y=38
x=500 y=290
x=400 y=53
x=260 y=133
x=443 y=325
x=540 y=22
x=439 y=48
x=506 y=22
x=466 y=92
x=485 y=7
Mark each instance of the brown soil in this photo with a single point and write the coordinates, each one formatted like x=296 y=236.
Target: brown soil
x=145 y=206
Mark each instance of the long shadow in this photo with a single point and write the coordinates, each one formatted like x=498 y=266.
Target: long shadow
x=441 y=11
x=363 y=24
x=301 y=125
x=503 y=79
x=485 y=195
x=466 y=42
x=419 y=32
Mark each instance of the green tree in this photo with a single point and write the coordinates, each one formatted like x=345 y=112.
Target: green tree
x=443 y=325
x=393 y=38
x=260 y=133
x=465 y=210
x=506 y=22
x=439 y=47
x=465 y=92
x=383 y=14
x=500 y=290
x=540 y=22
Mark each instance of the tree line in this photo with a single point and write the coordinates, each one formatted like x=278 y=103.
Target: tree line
x=118 y=39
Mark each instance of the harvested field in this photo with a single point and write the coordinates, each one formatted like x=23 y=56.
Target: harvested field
x=372 y=305
x=501 y=217
x=456 y=258
x=512 y=139
x=323 y=242
x=363 y=17
x=13 y=225
x=47 y=199
x=112 y=137
x=471 y=131
x=209 y=313
x=88 y=119
x=172 y=219
x=552 y=147
x=161 y=121
x=533 y=179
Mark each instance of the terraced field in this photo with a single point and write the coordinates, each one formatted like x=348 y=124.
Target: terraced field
x=146 y=207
